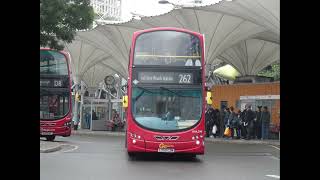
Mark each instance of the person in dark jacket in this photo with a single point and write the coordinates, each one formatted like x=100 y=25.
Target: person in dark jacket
x=215 y=122
x=226 y=118
x=265 y=121
x=221 y=123
x=258 y=124
x=231 y=121
x=243 y=125
x=208 y=118
x=236 y=124
x=249 y=120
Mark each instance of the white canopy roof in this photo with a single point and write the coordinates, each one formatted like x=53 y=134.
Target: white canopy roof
x=251 y=56
x=104 y=50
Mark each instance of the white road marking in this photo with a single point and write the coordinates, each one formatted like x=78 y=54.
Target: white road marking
x=273 y=157
x=274 y=176
x=75 y=147
x=275 y=147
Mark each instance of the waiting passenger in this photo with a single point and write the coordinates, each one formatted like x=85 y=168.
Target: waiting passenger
x=265 y=119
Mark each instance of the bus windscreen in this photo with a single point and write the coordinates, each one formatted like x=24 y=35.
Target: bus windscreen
x=161 y=108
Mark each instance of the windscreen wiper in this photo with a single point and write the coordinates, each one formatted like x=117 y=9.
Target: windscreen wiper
x=176 y=93
x=171 y=91
x=143 y=90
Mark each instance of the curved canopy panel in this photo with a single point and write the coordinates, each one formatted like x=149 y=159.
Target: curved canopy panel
x=224 y=24
x=85 y=56
x=262 y=12
x=97 y=73
x=251 y=56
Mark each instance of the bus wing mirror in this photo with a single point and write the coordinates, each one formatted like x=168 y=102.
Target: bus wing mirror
x=209 y=98
x=125 y=101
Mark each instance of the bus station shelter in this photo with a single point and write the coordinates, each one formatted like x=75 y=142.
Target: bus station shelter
x=242 y=33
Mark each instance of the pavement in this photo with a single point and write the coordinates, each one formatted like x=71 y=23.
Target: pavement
x=47 y=146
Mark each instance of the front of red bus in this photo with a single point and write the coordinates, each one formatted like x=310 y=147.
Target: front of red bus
x=55 y=100
x=166 y=92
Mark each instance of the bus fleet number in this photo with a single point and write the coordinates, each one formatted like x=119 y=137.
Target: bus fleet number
x=184 y=78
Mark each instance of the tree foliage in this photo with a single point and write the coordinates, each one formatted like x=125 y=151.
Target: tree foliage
x=271 y=71
x=60 y=19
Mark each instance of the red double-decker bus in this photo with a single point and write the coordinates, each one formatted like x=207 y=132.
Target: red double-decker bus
x=55 y=94
x=166 y=93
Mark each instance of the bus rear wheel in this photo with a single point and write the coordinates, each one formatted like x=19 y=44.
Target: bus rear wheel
x=50 y=138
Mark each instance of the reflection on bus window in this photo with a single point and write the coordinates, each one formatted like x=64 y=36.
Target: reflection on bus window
x=189 y=62
x=52 y=62
x=197 y=63
x=162 y=109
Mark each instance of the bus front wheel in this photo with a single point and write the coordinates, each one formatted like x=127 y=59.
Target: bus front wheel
x=50 y=138
x=131 y=155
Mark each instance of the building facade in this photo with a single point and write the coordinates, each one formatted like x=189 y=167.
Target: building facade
x=107 y=9
x=257 y=94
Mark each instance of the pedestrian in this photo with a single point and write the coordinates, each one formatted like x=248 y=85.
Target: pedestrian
x=226 y=117
x=88 y=117
x=258 y=122
x=249 y=120
x=94 y=115
x=265 y=120
x=215 y=122
x=243 y=124
x=239 y=121
x=220 y=126
x=231 y=121
x=208 y=119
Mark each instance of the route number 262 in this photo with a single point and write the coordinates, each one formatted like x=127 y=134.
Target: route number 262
x=184 y=78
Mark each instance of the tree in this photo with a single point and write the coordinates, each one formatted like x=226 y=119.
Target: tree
x=271 y=71
x=60 y=19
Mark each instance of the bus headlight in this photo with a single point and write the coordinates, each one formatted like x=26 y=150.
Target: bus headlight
x=197 y=142
x=68 y=124
x=134 y=141
x=135 y=136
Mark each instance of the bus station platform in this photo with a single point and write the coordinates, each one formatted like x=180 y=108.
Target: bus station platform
x=216 y=140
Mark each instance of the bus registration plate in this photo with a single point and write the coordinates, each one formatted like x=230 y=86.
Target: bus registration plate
x=167 y=150
x=46 y=133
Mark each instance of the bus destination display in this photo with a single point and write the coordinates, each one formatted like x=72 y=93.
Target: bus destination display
x=58 y=83
x=165 y=77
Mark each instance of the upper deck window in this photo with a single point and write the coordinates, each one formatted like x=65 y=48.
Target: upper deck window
x=53 y=63
x=169 y=48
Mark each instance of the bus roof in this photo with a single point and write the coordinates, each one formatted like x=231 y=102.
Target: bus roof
x=166 y=29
